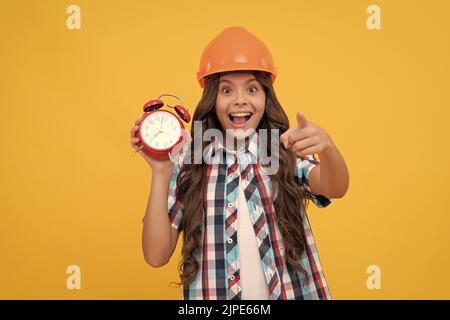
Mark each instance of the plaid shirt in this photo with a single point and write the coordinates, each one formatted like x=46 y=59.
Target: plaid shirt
x=218 y=257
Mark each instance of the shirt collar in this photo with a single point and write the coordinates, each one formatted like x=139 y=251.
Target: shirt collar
x=248 y=151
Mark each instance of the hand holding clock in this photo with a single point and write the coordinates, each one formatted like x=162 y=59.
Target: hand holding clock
x=159 y=134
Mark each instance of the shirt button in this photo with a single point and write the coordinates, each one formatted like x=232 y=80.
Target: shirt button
x=230 y=205
x=270 y=272
x=232 y=277
x=230 y=240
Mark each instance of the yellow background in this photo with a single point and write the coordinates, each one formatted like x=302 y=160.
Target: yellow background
x=73 y=191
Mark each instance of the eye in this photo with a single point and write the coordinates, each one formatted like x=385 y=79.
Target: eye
x=226 y=88
x=256 y=89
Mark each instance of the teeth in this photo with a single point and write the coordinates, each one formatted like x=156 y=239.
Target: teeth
x=241 y=114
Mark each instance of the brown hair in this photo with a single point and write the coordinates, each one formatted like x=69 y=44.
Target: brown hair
x=291 y=198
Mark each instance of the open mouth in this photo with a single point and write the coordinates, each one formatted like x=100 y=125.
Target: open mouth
x=240 y=119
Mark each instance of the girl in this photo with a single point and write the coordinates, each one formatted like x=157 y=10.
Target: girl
x=246 y=234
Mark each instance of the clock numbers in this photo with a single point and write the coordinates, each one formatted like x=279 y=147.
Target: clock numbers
x=161 y=130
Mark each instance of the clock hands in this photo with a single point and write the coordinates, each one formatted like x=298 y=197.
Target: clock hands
x=158 y=133
x=161 y=131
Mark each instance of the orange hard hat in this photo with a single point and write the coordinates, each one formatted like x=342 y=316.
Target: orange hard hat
x=235 y=49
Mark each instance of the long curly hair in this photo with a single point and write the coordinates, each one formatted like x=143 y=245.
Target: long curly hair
x=291 y=197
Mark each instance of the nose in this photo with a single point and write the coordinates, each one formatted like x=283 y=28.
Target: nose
x=240 y=99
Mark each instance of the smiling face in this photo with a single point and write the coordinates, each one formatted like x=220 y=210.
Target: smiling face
x=240 y=102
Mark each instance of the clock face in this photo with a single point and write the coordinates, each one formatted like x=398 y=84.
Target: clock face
x=161 y=130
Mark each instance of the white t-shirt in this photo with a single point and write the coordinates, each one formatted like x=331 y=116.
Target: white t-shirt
x=253 y=282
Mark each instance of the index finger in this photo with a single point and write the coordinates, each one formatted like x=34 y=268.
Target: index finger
x=299 y=134
x=285 y=137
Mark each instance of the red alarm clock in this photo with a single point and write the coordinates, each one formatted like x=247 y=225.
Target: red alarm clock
x=159 y=131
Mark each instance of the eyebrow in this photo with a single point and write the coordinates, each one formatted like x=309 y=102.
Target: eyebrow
x=226 y=80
